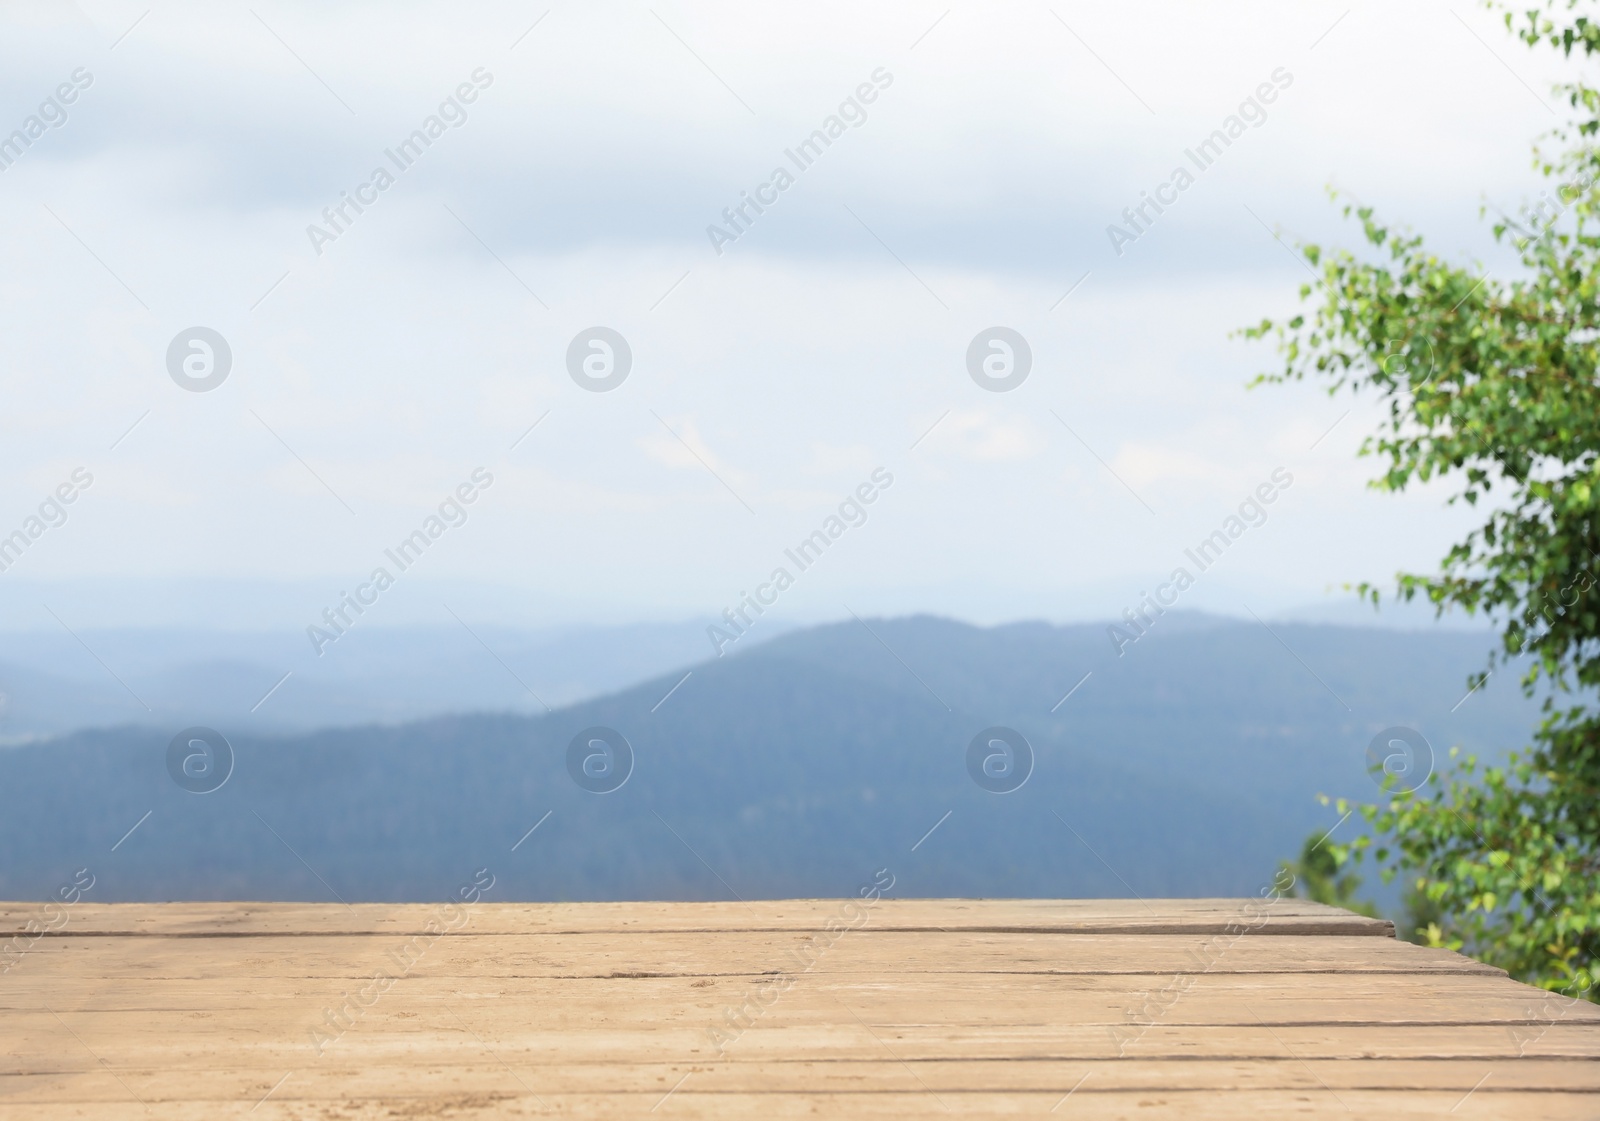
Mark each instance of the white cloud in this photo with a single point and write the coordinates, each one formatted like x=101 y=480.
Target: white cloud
x=981 y=436
x=822 y=345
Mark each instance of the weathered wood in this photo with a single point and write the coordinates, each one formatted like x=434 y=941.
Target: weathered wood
x=951 y=998
x=1065 y=916
x=354 y=1074
x=1099 y=1008
x=503 y=1097
x=738 y=953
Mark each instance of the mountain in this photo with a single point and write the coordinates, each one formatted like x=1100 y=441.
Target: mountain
x=1186 y=765
x=53 y=682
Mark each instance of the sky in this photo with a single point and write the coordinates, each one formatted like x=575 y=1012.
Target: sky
x=382 y=364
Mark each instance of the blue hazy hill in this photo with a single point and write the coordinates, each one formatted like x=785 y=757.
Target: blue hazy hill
x=1187 y=766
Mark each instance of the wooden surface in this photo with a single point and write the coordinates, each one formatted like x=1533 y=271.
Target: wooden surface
x=798 y=1008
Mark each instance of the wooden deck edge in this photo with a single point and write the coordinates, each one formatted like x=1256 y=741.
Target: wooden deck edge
x=1219 y=917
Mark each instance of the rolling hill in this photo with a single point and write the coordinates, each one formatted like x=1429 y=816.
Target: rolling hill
x=1187 y=766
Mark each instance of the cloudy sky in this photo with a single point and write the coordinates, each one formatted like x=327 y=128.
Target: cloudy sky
x=373 y=372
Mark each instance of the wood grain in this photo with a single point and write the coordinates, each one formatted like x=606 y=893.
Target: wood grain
x=793 y=1008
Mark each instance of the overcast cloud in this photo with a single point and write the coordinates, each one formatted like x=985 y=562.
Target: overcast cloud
x=769 y=380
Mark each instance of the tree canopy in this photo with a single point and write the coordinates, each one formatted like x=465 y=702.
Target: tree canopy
x=1491 y=383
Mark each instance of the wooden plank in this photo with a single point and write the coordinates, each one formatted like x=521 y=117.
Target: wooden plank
x=742 y=953
x=964 y=998
x=86 y=1082
x=1004 y=1008
x=503 y=1097
x=1073 y=916
x=461 y=1037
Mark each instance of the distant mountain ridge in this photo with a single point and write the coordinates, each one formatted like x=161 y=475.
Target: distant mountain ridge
x=1187 y=766
x=51 y=683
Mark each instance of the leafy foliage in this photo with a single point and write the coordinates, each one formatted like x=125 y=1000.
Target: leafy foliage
x=1316 y=876
x=1492 y=382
